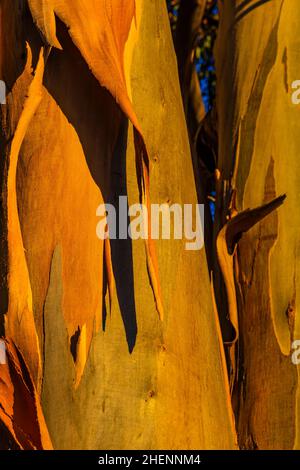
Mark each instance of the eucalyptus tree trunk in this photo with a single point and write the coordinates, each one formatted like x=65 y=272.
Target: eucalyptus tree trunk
x=187 y=35
x=257 y=63
x=93 y=92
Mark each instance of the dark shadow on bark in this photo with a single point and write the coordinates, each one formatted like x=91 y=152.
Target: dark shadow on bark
x=121 y=249
x=102 y=129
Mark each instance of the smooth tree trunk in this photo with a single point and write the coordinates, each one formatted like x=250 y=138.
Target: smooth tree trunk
x=258 y=127
x=93 y=91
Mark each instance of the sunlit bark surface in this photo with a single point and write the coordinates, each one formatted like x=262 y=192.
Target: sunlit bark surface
x=257 y=62
x=89 y=83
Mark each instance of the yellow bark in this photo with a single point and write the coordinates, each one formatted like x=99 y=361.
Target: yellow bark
x=257 y=61
x=125 y=379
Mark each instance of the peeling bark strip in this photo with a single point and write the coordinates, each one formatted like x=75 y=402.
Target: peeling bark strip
x=20 y=409
x=20 y=300
x=103 y=51
x=227 y=241
x=104 y=55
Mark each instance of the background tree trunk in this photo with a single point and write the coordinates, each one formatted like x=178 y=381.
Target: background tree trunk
x=257 y=61
x=187 y=34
